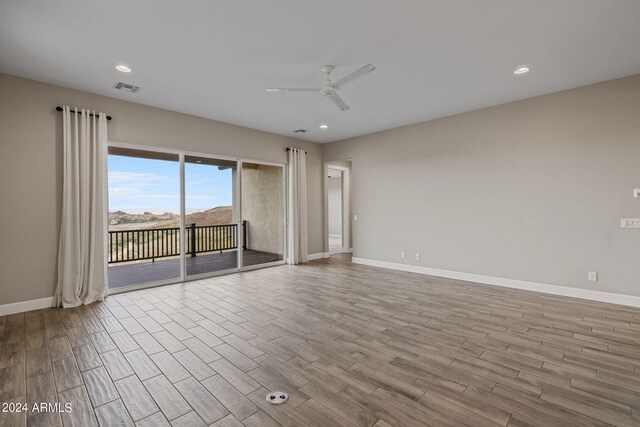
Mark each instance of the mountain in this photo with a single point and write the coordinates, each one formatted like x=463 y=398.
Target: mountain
x=121 y=217
x=121 y=220
x=213 y=216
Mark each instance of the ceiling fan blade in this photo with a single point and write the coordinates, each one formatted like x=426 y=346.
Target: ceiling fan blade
x=356 y=74
x=293 y=89
x=337 y=101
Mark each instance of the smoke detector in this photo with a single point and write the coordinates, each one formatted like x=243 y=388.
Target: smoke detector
x=126 y=87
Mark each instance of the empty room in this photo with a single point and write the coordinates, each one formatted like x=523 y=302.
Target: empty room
x=341 y=213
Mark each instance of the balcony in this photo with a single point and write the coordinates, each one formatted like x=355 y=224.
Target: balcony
x=149 y=255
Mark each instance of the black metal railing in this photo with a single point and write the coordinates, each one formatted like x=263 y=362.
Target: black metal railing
x=153 y=243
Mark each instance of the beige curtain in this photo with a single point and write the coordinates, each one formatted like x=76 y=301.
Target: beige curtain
x=297 y=203
x=81 y=256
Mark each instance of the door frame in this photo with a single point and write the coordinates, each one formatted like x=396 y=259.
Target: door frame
x=237 y=194
x=346 y=208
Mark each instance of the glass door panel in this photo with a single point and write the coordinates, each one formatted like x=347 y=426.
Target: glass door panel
x=262 y=214
x=211 y=218
x=143 y=217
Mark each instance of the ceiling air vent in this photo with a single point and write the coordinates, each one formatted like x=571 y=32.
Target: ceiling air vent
x=126 y=87
x=300 y=131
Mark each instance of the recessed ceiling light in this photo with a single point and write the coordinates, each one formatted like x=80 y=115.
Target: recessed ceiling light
x=123 y=68
x=324 y=126
x=521 y=70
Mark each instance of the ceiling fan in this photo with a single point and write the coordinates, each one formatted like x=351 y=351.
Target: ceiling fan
x=330 y=90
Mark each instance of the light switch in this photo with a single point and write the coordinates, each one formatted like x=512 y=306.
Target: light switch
x=630 y=223
x=636 y=192
x=355 y=217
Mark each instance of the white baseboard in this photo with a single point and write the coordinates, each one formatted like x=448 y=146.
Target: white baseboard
x=628 y=300
x=319 y=255
x=22 y=306
x=336 y=251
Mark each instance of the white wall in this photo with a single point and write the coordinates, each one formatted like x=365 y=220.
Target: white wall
x=532 y=190
x=31 y=164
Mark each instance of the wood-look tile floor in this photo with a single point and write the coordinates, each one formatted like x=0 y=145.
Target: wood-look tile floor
x=352 y=345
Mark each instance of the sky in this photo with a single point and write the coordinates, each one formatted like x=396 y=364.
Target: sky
x=145 y=185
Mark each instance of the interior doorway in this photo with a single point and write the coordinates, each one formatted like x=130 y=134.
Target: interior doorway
x=338 y=196
x=334 y=209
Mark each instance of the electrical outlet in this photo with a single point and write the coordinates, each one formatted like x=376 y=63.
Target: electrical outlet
x=403 y=254
x=636 y=192
x=593 y=276
x=417 y=256
x=630 y=223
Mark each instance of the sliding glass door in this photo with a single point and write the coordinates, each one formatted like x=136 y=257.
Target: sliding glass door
x=175 y=216
x=143 y=217
x=211 y=215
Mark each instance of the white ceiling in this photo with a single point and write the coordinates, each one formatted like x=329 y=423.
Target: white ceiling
x=214 y=58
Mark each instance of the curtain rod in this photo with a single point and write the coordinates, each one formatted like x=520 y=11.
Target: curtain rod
x=73 y=111
x=289 y=149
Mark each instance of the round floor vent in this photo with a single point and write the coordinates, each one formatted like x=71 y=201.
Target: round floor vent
x=277 y=397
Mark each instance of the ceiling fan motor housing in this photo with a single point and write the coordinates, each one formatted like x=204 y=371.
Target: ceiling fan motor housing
x=327 y=90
